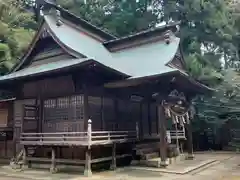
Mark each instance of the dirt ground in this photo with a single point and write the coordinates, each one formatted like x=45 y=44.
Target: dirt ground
x=227 y=168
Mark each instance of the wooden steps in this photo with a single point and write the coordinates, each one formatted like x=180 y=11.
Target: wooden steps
x=152 y=155
x=147 y=150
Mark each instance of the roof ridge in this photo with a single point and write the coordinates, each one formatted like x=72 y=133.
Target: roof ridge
x=106 y=34
x=166 y=27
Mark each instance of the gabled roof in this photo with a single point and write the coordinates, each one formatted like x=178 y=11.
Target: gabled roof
x=148 y=58
x=134 y=61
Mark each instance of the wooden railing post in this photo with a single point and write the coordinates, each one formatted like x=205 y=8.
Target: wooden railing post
x=114 y=161
x=64 y=137
x=24 y=158
x=53 y=168
x=177 y=140
x=109 y=136
x=89 y=133
x=41 y=138
x=88 y=170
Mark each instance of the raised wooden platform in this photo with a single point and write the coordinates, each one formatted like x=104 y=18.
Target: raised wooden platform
x=77 y=138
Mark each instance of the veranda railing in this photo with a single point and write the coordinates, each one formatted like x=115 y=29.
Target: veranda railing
x=88 y=138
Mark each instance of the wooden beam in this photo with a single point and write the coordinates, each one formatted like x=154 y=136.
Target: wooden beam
x=86 y=107
x=53 y=168
x=116 y=112
x=149 y=119
x=157 y=121
x=5 y=146
x=189 y=141
x=162 y=130
x=24 y=158
x=88 y=170
x=102 y=114
x=141 y=133
x=114 y=162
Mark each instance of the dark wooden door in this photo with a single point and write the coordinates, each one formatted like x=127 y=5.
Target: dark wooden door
x=30 y=119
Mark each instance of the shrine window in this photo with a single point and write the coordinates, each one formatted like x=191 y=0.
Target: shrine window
x=68 y=108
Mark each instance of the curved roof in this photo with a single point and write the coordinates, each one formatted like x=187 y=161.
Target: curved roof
x=143 y=60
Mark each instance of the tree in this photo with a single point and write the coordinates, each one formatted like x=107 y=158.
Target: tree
x=16 y=32
x=220 y=111
x=117 y=16
x=206 y=35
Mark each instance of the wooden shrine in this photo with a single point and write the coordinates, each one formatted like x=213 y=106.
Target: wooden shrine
x=84 y=96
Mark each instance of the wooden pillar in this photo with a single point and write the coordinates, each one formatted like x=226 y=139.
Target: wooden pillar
x=149 y=119
x=41 y=115
x=53 y=168
x=86 y=107
x=141 y=133
x=137 y=130
x=162 y=132
x=157 y=121
x=116 y=110
x=102 y=114
x=189 y=141
x=88 y=170
x=114 y=161
x=5 y=145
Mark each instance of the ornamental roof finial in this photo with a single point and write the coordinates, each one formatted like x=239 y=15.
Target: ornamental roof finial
x=58 y=14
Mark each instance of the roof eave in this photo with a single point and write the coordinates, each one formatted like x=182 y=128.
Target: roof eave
x=200 y=85
x=62 y=69
x=134 y=81
x=137 y=81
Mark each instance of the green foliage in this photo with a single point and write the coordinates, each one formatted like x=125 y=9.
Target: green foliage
x=16 y=31
x=206 y=35
x=117 y=16
x=220 y=111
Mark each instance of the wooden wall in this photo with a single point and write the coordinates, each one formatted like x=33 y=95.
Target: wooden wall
x=109 y=114
x=95 y=112
x=61 y=108
x=112 y=114
x=3 y=117
x=49 y=87
x=6 y=149
x=18 y=119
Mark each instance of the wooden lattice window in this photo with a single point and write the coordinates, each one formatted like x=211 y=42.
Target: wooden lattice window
x=64 y=108
x=63 y=102
x=30 y=112
x=50 y=103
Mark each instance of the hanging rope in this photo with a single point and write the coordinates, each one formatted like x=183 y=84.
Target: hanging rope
x=178 y=114
x=174 y=113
